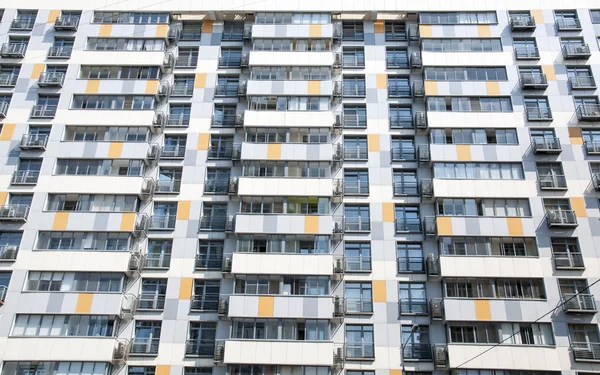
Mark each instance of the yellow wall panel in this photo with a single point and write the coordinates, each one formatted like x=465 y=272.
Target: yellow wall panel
x=151 y=86
x=575 y=136
x=203 y=141
x=311 y=224
x=388 y=212
x=162 y=370
x=444 y=225
x=52 y=15
x=379 y=27
x=314 y=87
x=60 y=221
x=381 y=81
x=492 y=88
x=266 y=305
x=183 y=210
x=484 y=30
x=431 y=88
x=425 y=31
x=549 y=71
x=314 y=31
x=162 y=31
x=379 y=291
x=482 y=309
x=105 y=30
x=92 y=86
x=7 y=132
x=84 y=303
x=538 y=16
x=207 y=26
x=373 y=142
x=578 y=205
x=274 y=151
x=3 y=196
x=115 y=150
x=37 y=70
x=200 y=81
x=463 y=152
x=515 y=226
x=185 y=287
x=127 y=221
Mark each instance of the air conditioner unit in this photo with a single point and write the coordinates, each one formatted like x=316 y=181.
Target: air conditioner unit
x=338 y=266
x=120 y=352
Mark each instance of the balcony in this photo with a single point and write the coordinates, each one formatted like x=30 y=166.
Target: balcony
x=34 y=142
x=399 y=154
x=405 y=188
x=168 y=186
x=568 y=261
x=573 y=51
x=417 y=352
x=414 y=307
x=178 y=120
x=408 y=225
x=60 y=52
x=582 y=83
x=151 y=302
x=216 y=223
x=143 y=347
x=157 y=261
x=24 y=24
x=163 y=222
x=357 y=224
x=25 y=177
x=7 y=253
x=401 y=122
x=568 y=24
x=14 y=212
x=359 y=351
x=172 y=152
x=357 y=264
x=561 y=219
x=522 y=23
x=230 y=90
x=51 y=79
x=182 y=90
x=286 y=306
x=13 y=50
x=218 y=262
x=537 y=81
x=359 y=153
x=228 y=120
x=216 y=186
x=527 y=53
x=276 y=352
x=66 y=23
x=358 y=306
x=3 y=109
x=546 y=145
x=399 y=91
x=588 y=112
x=8 y=79
x=538 y=114
x=553 y=182
x=586 y=351
x=356 y=188
x=354 y=121
x=395 y=62
x=592 y=147
x=200 y=348
x=578 y=303
x=410 y=265
x=204 y=302
x=43 y=111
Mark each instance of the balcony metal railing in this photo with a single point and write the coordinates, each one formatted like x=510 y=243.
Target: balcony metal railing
x=568 y=24
x=229 y=63
x=582 y=82
x=178 y=120
x=354 y=121
x=3 y=109
x=182 y=89
x=60 y=52
x=220 y=152
x=227 y=90
x=186 y=61
x=357 y=224
x=399 y=91
x=403 y=153
x=14 y=50
x=596 y=181
x=546 y=145
x=408 y=225
x=209 y=261
x=172 y=152
x=44 y=111
x=354 y=90
x=533 y=81
x=574 y=51
x=356 y=188
x=25 y=177
x=561 y=218
x=66 y=23
x=527 y=53
x=405 y=188
x=538 y=113
x=586 y=351
x=200 y=348
x=566 y=261
x=416 y=307
x=143 y=346
x=163 y=222
x=8 y=252
x=588 y=112
x=151 y=301
x=356 y=153
x=14 y=212
x=592 y=147
x=216 y=186
x=410 y=265
x=34 y=141
x=227 y=120
x=213 y=223
x=419 y=352
x=522 y=23
x=165 y=186
x=358 y=305
x=8 y=79
x=19 y=24
x=157 y=261
x=204 y=302
x=359 y=350
x=397 y=62
x=578 y=302
x=401 y=122
x=357 y=263
x=353 y=61
x=50 y=79
x=553 y=182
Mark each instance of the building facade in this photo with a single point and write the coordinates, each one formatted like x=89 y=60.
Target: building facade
x=299 y=188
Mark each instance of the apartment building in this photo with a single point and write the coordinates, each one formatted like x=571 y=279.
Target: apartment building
x=299 y=187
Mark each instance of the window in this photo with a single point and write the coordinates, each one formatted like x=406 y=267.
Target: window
x=306 y=285
x=141 y=370
x=357 y=218
x=456 y=18
x=74 y=281
x=292 y=18
x=595 y=15
x=187 y=57
x=494 y=288
x=353 y=30
x=210 y=254
x=358 y=297
x=396 y=57
x=198 y=371
x=99 y=167
x=217 y=180
x=64 y=325
x=179 y=115
x=551 y=176
x=164 y=215
x=61 y=48
x=488 y=246
x=230 y=57
x=174 y=146
x=92 y=202
x=354 y=86
x=461 y=45
x=232 y=31
x=353 y=57
x=45 y=106
x=355 y=115
x=469 y=104
x=227 y=86
x=412 y=297
x=535 y=334
x=107 y=133
x=359 y=341
x=483 y=207
x=405 y=182
x=395 y=31
x=9 y=74
x=478 y=171
x=355 y=148
x=202 y=339
x=125 y=44
x=158 y=253
x=289 y=103
x=9 y=245
x=356 y=182
x=169 y=180
x=465 y=74
x=357 y=256
x=400 y=117
x=152 y=296
x=112 y=102
x=403 y=148
x=474 y=136
x=24 y=20
x=191 y=31
x=67 y=368
x=407 y=219
x=206 y=295
x=417 y=344
x=124 y=17
x=291 y=44
x=252 y=284
x=398 y=86
x=410 y=257
x=291 y=73
x=146 y=337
